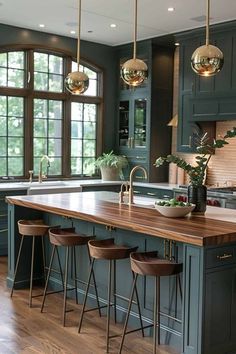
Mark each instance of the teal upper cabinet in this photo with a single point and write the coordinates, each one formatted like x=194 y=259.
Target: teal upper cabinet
x=143 y=112
x=206 y=99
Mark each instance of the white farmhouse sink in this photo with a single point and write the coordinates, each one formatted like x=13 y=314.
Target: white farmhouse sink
x=43 y=184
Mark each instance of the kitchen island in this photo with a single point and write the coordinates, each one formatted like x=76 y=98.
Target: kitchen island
x=205 y=244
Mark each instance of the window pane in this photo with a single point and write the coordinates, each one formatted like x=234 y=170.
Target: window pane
x=3 y=146
x=89 y=130
x=89 y=147
x=88 y=166
x=54 y=147
x=76 y=147
x=15 y=166
x=15 y=78
x=3 y=76
x=3 y=105
x=76 y=130
x=3 y=126
x=55 y=64
x=3 y=59
x=55 y=83
x=3 y=166
x=16 y=60
x=77 y=111
x=40 y=108
x=54 y=128
x=55 y=109
x=40 y=128
x=55 y=166
x=15 y=127
x=91 y=74
x=41 y=62
x=92 y=89
x=40 y=81
x=16 y=106
x=40 y=147
x=76 y=166
x=15 y=146
x=90 y=112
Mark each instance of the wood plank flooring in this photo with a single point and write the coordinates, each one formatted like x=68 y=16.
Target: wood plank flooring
x=25 y=330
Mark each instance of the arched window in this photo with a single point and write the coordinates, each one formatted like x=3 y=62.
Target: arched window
x=37 y=116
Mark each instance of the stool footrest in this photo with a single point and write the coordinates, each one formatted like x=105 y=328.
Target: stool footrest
x=96 y=308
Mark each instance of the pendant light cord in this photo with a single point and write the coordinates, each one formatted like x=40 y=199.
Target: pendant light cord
x=207 y=21
x=135 y=27
x=78 y=44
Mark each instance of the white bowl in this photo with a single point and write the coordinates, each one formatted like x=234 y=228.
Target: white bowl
x=174 y=211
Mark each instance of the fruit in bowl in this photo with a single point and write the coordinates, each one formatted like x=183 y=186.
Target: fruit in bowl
x=173 y=208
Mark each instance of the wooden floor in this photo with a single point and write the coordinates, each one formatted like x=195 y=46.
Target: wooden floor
x=24 y=330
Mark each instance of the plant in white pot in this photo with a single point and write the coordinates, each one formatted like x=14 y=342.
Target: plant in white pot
x=111 y=166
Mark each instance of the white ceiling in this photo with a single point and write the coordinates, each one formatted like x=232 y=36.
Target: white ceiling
x=60 y=16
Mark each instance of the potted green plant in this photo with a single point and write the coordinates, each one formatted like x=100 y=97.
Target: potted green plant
x=197 y=190
x=111 y=166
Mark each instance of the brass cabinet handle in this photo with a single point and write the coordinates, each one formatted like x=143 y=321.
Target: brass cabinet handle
x=152 y=194
x=3 y=215
x=225 y=256
x=140 y=158
x=166 y=196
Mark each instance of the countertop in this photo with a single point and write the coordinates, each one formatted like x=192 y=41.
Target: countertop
x=217 y=226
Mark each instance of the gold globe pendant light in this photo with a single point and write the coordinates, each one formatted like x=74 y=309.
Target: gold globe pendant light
x=207 y=60
x=134 y=71
x=77 y=82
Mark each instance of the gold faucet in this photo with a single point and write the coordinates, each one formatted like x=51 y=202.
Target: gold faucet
x=44 y=157
x=131 y=176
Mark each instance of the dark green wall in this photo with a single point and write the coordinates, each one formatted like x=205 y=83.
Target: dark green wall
x=101 y=55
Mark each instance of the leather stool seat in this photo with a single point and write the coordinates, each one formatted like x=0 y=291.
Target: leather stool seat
x=149 y=264
x=30 y=228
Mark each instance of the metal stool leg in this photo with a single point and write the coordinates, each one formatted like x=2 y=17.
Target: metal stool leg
x=75 y=280
x=86 y=295
x=114 y=288
x=60 y=267
x=139 y=308
x=108 y=305
x=17 y=263
x=31 y=272
x=65 y=286
x=128 y=312
x=156 y=311
x=44 y=261
x=48 y=275
x=95 y=285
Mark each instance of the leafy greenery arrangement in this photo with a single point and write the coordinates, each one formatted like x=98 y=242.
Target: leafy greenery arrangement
x=111 y=160
x=205 y=150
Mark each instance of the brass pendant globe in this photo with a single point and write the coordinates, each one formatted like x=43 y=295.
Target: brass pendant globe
x=77 y=82
x=134 y=72
x=207 y=60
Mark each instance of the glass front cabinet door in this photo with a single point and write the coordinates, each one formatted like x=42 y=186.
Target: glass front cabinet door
x=132 y=123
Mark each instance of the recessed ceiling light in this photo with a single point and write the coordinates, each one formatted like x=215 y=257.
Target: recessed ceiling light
x=41 y=25
x=90 y=31
x=72 y=32
x=177 y=44
x=113 y=25
x=171 y=9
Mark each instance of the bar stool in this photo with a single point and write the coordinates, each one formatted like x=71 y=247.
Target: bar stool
x=148 y=263
x=68 y=238
x=30 y=228
x=107 y=250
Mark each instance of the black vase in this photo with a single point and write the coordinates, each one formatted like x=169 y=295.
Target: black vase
x=198 y=195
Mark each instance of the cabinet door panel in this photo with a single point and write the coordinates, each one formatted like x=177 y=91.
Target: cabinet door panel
x=219 y=309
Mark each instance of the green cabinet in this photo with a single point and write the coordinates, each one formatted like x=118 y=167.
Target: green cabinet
x=205 y=99
x=143 y=112
x=4 y=219
x=153 y=192
x=220 y=301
